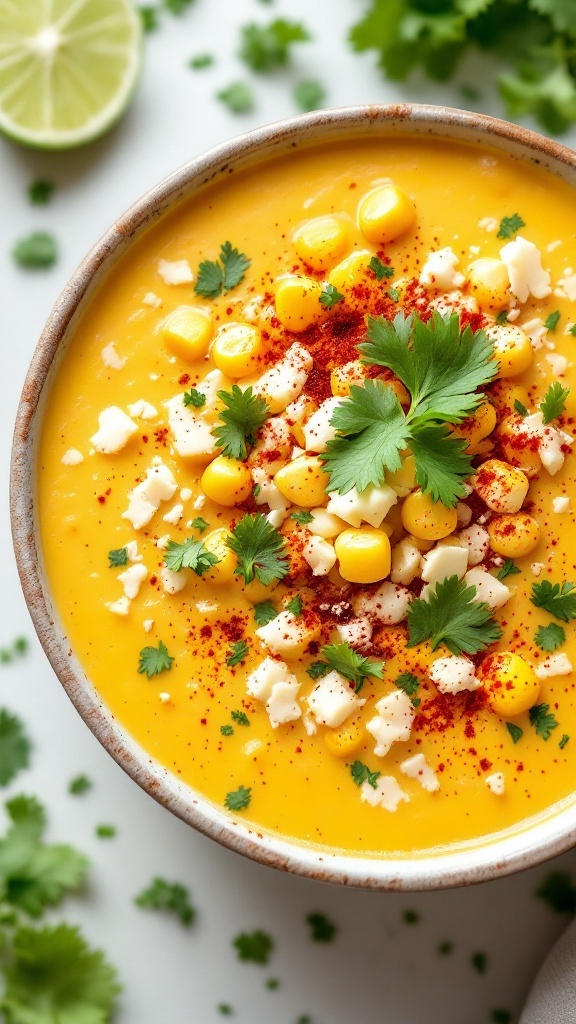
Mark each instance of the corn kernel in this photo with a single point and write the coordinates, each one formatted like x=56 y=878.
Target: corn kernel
x=298 y=303
x=363 y=555
x=489 y=283
x=352 y=270
x=385 y=213
x=476 y=427
x=426 y=519
x=347 y=739
x=226 y=481
x=519 y=451
x=404 y=479
x=513 y=536
x=502 y=487
x=342 y=377
x=217 y=543
x=512 y=349
x=236 y=349
x=303 y=481
x=187 y=332
x=320 y=242
x=510 y=683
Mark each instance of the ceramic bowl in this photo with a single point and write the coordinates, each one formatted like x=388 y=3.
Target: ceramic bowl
x=531 y=842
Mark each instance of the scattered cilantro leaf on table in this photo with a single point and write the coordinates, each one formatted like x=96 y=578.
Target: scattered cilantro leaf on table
x=225 y=1009
x=361 y=773
x=554 y=401
x=194 y=398
x=117 y=557
x=54 y=976
x=264 y=612
x=106 y=831
x=551 y=322
x=479 y=962
x=201 y=61
x=241 y=418
x=238 y=653
x=259 y=548
x=14 y=747
x=559 y=599
x=18 y=649
x=515 y=731
x=177 y=6
x=411 y=917
x=37 y=251
x=507 y=569
x=322 y=929
x=149 y=16
x=221 y=275
x=550 y=637
x=40 y=191
x=168 y=896
x=254 y=946
x=558 y=891
x=238 y=799
x=154 y=660
x=543 y=720
x=509 y=226
x=451 y=616
x=239 y=99
x=191 y=554
x=240 y=717
x=309 y=94
x=267 y=47
x=79 y=784
x=344 y=659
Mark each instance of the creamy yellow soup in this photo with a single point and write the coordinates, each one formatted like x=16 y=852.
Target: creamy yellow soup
x=306 y=779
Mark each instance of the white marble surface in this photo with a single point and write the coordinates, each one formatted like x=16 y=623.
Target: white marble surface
x=379 y=969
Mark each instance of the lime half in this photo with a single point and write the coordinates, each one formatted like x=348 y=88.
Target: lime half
x=67 y=68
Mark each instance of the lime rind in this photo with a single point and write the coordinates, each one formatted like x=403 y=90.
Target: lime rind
x=68 y=68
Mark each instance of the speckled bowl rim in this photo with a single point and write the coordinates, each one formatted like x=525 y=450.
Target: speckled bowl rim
x=493 y=856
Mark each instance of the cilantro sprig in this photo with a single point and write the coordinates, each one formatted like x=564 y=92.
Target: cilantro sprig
x=559 y=599
x=550 y=637
x=451 y=616
x=509 y=226
x=259 y=548
x=361 y=773
x=191 y=554
x=543 y=720
x=554 y=401
x=242 y=416
x=167 y=896
x=442 y=366
x=265 y=47
x=344 y=659
x=223 y=274
x=154 y=660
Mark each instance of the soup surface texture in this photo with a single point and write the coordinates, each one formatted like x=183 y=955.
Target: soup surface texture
x=329 y=587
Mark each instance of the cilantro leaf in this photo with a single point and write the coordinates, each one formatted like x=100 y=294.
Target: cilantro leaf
x=117 y=557
x=201 y=61
x=507 y=569
x=552 y=405
x=54 y=976
x=442 y=465
x=543 y=720
x=353 y=666
x=309 y=94
x=408 y=683
x=519 y=408
x=170 y=896
x=264 y=612
x=321 y=928
x=240 y=717
x=243 y=415
x=515 y=731
x=154 y=660
x=380 y=270
x=509 y=226
x=542 y=86
x=40 y=191
x=451 y=616
x=215 y=277
x=238 y=653
x=199 y=524
x=502 y=318
x=79 y=784
x=194 y=398
x=226 y=730
x=551 y=322
x=559 y=599
x=177 y=6
x=265 y=47
x=361 y=773
x=373 y=432
x=479 y=962
x=239 y=99
x=149 y=18
x=238 y=799
x=37 y=251
x=550 y=637
x=294 y=605
x=190 y=555
x=564 y=740
x=330 y=296
x=106 y=831
x=558 y=890
x=318 y=669
x=259 y=548
x=255 y=946
x=303 y=517
x=14 y=747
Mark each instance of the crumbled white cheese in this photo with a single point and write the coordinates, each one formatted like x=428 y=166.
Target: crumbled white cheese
x=273 y=684
x=175 y=271
x=143 y=410
x=115 y=429
x=185 y=494
x=371 y=506
x=386 y=794
x=488 y=589
x=496 y=783
x=319 y=554
x=72 y=457
x=537 y=568
x=286 y=634
x=444 y=561
x=276 y=517
x=417 y=767
x=192 y=433
x=119 y=607
x=558 y=363
x=550 y=441
x=164 y=540
x=324 y=524
x=309 y=724
x=488 y=224
x=439 y=271
x=317 y=430
x=392 y=722
x=554 y=665
x=406 y=562
x=537 y=332
x=477 y=541
x=388 y=605
x=463 y=514
x=132 y=551
x=523 y=262
x=164 y=697
x=159 y=485
x=132 y=579
x=333 y=700
x=172 y=581
x=282 y=705
x=199 y=502
x=454 y=674
x=284 y=382
x=152 y=300
x=148 y=624
x=357 y=632
x=561 y=504
x=111 y=358
x=205 y=607
x=566 y=288
x=267 y=493
x=174 y=515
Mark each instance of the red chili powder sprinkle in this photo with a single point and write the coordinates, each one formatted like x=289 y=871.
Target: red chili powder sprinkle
x=485 y=764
